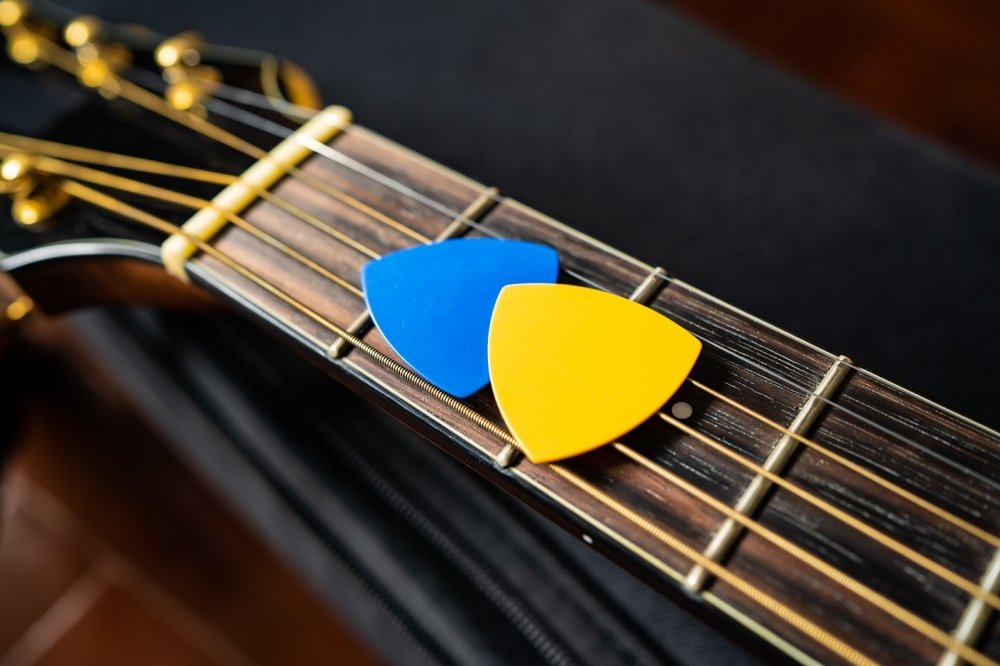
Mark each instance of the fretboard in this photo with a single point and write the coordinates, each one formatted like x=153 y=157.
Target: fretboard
x=720 y=497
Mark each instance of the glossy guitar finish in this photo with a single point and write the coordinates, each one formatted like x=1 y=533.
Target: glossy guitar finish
x=919 y=447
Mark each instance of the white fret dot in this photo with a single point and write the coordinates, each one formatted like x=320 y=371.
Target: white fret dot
x=588 y=540
x=681 y=410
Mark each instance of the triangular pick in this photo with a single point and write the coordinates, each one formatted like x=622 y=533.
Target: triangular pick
x=574 y=368
x=432 y=303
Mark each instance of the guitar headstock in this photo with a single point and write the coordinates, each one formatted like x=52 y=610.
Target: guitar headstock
x=143 y=88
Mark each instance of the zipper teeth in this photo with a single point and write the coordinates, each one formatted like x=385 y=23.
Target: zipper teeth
x=549 y=648
x=429 y=651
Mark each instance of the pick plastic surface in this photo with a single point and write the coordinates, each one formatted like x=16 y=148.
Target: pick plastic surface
x=433 y=303
x=574 y=368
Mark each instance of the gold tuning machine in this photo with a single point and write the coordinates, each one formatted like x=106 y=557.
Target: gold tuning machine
x=188 y=80
x=22 y=43
x=12 y=12
x=97 y=59
x=37 y=197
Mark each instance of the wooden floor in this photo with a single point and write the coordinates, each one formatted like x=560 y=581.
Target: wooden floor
x=930 y=65
x=113 y=552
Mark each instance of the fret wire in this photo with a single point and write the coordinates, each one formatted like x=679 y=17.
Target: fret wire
x=880 y=537
x=833 y=357
x=858 y=469
x=239 y=140
x=857 y=587
x=84 y=193
x=834 y=405
x=754 y=593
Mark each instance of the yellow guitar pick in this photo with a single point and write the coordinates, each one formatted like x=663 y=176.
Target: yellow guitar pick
x=574 y=368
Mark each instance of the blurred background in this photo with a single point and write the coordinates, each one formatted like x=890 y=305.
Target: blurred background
x=97 y=508
x=932 y=66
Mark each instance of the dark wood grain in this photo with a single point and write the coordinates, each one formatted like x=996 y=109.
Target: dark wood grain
x=929 y=453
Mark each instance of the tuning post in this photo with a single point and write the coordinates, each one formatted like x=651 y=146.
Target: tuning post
x=37 y=197
x=12 y=12
x=188 y=81
x=98 y=60
x=22 y=44
x=82 y=30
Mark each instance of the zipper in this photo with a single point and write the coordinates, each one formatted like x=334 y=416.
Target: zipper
x=549 y=647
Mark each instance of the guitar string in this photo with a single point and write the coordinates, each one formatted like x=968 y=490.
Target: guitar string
x=265 y=102
x=64 y=169
x=231 y=143
x=122 y=184
x=871 y=532
x=880 y=602
x=114 y=160
x=923 y=503
x=885 y=604
x=823 y=637
x=49 y=53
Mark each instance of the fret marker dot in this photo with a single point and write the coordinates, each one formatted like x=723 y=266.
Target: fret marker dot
x=587 y=539
x=681 y=410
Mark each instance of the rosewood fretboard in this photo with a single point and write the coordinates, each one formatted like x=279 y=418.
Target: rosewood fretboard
x=922 y=448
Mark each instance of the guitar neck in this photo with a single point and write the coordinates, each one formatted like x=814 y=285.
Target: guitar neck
x=777 y=468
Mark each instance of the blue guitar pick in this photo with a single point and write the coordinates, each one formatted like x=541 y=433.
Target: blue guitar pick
x=433 y=303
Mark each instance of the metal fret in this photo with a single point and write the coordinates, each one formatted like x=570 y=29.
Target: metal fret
x=649 y=287
x=725 y=537
x=458 y=227
x=976 y=614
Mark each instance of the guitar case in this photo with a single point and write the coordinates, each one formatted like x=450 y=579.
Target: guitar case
x=629 y=122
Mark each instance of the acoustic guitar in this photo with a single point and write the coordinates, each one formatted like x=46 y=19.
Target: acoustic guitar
x=836 y=515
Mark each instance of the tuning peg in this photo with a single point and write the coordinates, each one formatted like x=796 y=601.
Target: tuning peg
x=97 y=59
x=12 y=12
x=37 y=197
x=41 y=202
x=180 y=50
x=82 y=30
x=16 y=175
x=188 y=81
x=22 y=45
